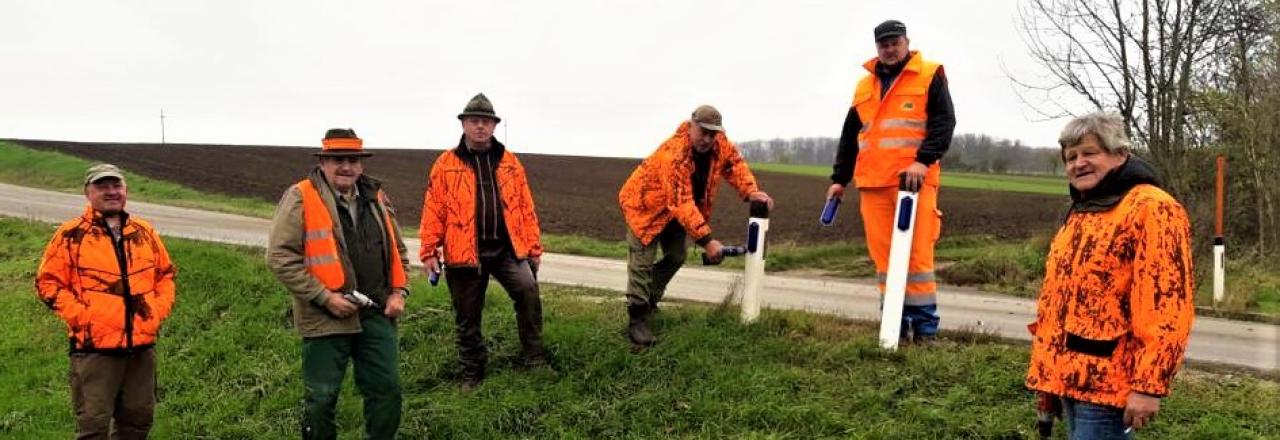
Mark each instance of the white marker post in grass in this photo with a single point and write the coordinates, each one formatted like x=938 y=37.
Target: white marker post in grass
x=1219 y=241
x=757 y=226
x=895 y=288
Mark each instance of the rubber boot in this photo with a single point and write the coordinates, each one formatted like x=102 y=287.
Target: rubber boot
x=637 y=329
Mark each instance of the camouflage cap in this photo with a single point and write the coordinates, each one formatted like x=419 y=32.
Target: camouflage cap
x=102 y=171
x=708 y=118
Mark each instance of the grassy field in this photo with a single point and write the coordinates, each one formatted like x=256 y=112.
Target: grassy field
x=950 y=179
x=61 y=172
x=229 y=368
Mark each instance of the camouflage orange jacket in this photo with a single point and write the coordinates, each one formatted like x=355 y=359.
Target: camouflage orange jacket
x=80 y=279
x=1116 y=307
x=449 y=210
x=661 y=188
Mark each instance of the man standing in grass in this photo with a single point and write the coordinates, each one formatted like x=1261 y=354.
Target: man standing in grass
x=478 y=219
x=668 y=199
x=336 y=246
x=109 y=277
x=902 y=120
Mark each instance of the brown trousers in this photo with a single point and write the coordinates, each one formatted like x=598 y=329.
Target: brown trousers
x=120 y=387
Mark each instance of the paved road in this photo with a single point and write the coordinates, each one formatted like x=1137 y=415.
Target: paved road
x=1221 y=341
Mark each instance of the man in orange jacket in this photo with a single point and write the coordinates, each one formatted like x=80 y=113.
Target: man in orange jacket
x=901 y=119
x=1118 y=299
x=112 y=319
x=668 y=199
x=335 y=245
x=478 y=219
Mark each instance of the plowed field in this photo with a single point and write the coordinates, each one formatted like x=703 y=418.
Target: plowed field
x=574 y=195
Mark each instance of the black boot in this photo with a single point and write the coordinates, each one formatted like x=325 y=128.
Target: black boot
x=637 y=329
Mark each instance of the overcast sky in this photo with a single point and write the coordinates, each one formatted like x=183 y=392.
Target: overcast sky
x=600 y=78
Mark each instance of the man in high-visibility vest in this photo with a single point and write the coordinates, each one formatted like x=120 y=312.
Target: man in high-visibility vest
x=900 y=123
x=336 y=247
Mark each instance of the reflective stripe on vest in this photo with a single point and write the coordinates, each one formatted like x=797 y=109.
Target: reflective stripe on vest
x=321 y=249
x=893 y=125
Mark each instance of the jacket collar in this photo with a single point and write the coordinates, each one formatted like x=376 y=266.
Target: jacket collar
x=1114 y=186
x=497 y=149
x=686 y=150
x=95 y=217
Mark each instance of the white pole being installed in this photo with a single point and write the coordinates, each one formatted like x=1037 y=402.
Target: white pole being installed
x=895 y=289
x=1219 y=241
x=757 y=227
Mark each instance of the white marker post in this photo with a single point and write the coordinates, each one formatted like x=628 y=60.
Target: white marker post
x=895 y=289
x=757 y=227
x=1219 y=241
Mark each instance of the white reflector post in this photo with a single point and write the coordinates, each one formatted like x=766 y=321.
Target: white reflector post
x=757 y=227
x=1219 y=270
x=1219 y=240
x=895 y=289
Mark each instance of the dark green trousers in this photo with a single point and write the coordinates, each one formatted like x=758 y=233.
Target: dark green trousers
x=375 y=352
x=647 y=276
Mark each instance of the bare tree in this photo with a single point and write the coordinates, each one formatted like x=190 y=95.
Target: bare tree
x=1191 y=78
x=1134 y=57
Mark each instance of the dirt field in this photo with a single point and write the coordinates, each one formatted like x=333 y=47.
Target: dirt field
x=574 y=195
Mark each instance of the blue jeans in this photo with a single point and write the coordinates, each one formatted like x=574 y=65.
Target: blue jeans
x=923 y=320
x=1089 y=421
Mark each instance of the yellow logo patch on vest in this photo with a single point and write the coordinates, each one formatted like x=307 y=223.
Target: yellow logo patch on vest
x=908 y=105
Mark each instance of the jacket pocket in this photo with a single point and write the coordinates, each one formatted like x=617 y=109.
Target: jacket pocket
x=1091 y=346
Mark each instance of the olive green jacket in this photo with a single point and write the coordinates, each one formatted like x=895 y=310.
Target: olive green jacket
x=286 y=254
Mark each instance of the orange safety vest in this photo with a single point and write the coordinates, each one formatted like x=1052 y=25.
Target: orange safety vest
x=893 y=126
x=321 y=249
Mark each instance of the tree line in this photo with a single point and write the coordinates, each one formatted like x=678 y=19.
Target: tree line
x=968 y=152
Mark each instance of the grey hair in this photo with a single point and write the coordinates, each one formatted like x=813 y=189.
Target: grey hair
x=1108 y=127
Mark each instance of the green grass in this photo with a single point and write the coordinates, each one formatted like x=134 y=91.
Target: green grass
x=65 y=173
x=1054 y=185
x=1252 y=284
x=229 y=368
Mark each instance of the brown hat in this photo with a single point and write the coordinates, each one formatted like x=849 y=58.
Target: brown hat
x=708 y=118
x=102 y=171
x=480 y=106
x=342 y=142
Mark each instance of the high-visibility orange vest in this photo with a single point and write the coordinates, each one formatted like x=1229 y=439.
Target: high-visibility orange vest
x=321 y=249
x=893 y=127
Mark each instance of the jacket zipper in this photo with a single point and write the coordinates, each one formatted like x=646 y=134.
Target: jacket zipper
x=119 y=245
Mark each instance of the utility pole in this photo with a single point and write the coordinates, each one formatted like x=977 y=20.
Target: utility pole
x=162 y=142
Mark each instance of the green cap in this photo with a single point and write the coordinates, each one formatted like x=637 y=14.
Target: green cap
x=480 y=106
x=102 y=171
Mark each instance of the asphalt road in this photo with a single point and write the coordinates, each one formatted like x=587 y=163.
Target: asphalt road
x=1213 y=340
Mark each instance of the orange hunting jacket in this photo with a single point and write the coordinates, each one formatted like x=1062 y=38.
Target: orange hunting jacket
x=80 y=279
x=449 y=210
x=1121 y=281
x=661 y=188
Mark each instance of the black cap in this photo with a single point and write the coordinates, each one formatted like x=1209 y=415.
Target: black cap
x=890 y=28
